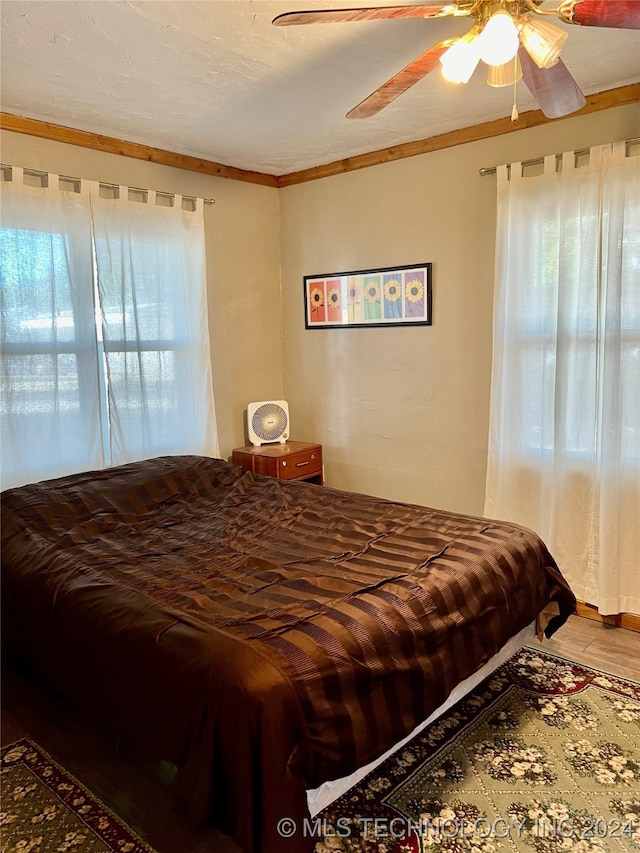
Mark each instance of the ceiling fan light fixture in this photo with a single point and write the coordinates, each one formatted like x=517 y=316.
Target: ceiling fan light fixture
x=542 y=41
x=461 y=59
x=500 y=76
x=498 y=42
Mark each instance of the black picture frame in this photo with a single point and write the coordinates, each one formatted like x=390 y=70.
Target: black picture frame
x=381 y=297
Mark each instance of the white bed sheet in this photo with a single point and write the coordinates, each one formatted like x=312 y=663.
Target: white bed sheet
x=319 y=798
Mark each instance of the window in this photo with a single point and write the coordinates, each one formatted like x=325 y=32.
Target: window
x=567 y=308
x=105 y=352
x=564 y=443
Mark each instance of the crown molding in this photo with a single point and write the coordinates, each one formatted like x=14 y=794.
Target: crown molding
x=46 y=130
x=599 y=101
x=58 y=133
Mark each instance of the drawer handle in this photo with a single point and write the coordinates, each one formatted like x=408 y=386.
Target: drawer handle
x=301 y=464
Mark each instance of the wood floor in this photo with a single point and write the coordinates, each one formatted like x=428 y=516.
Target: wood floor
x=614 y=650
x=138 y=790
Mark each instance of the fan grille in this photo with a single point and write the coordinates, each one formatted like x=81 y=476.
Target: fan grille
x=269 y=421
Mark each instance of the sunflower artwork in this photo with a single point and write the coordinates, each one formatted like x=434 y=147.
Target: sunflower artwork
x=381 y=297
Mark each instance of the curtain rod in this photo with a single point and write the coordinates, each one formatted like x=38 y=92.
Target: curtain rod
x=37 y=173
x=538 y=161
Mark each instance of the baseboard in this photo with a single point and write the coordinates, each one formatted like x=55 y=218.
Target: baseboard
x=620 y=620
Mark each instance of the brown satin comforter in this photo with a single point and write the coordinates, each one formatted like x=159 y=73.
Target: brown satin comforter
x=264 y=636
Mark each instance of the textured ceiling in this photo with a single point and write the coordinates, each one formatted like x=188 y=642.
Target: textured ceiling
x=215 y=79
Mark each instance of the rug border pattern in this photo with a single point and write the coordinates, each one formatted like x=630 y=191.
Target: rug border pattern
x=117 y=833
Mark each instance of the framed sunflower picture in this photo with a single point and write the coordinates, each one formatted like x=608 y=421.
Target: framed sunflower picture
x=391 y=296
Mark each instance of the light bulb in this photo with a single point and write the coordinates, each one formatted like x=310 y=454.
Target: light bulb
x=542 y=41
x=460 y=60
x=500 y=76
x=498 y=42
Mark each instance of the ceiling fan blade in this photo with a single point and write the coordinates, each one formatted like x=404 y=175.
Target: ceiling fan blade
x=555 y=90
x=332 y=16
x=624 y=14
x=401 y=81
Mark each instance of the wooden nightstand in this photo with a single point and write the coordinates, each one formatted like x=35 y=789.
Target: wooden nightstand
x=295 y=460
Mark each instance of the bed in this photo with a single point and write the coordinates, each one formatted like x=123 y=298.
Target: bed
x=265 y=637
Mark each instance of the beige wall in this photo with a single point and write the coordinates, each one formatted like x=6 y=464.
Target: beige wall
x=403 y=412
x=242 y=243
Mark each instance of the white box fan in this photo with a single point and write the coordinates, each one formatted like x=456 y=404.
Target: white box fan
x=268 y=421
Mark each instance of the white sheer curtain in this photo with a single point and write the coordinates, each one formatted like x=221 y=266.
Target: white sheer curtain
x=151 y=280
x=84 y=387
x=564 y=444
x=50 y=411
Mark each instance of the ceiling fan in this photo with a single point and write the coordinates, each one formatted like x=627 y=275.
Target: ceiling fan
x=513 y=37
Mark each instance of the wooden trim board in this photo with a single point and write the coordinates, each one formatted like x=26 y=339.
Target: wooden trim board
x=620 y=620
x=600 y=101
x=46 y=130
x=58 y=133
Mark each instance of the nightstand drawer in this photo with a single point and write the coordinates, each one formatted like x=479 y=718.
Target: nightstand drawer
x=295 y=460
x=306 y=463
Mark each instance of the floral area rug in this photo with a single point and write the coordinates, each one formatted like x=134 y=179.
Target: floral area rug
x=542 y=757
x=46 y=810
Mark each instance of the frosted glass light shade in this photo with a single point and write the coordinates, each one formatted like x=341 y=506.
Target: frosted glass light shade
x=542 y=41
x=461 y=60
x=498 y=42
x=504 y=75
